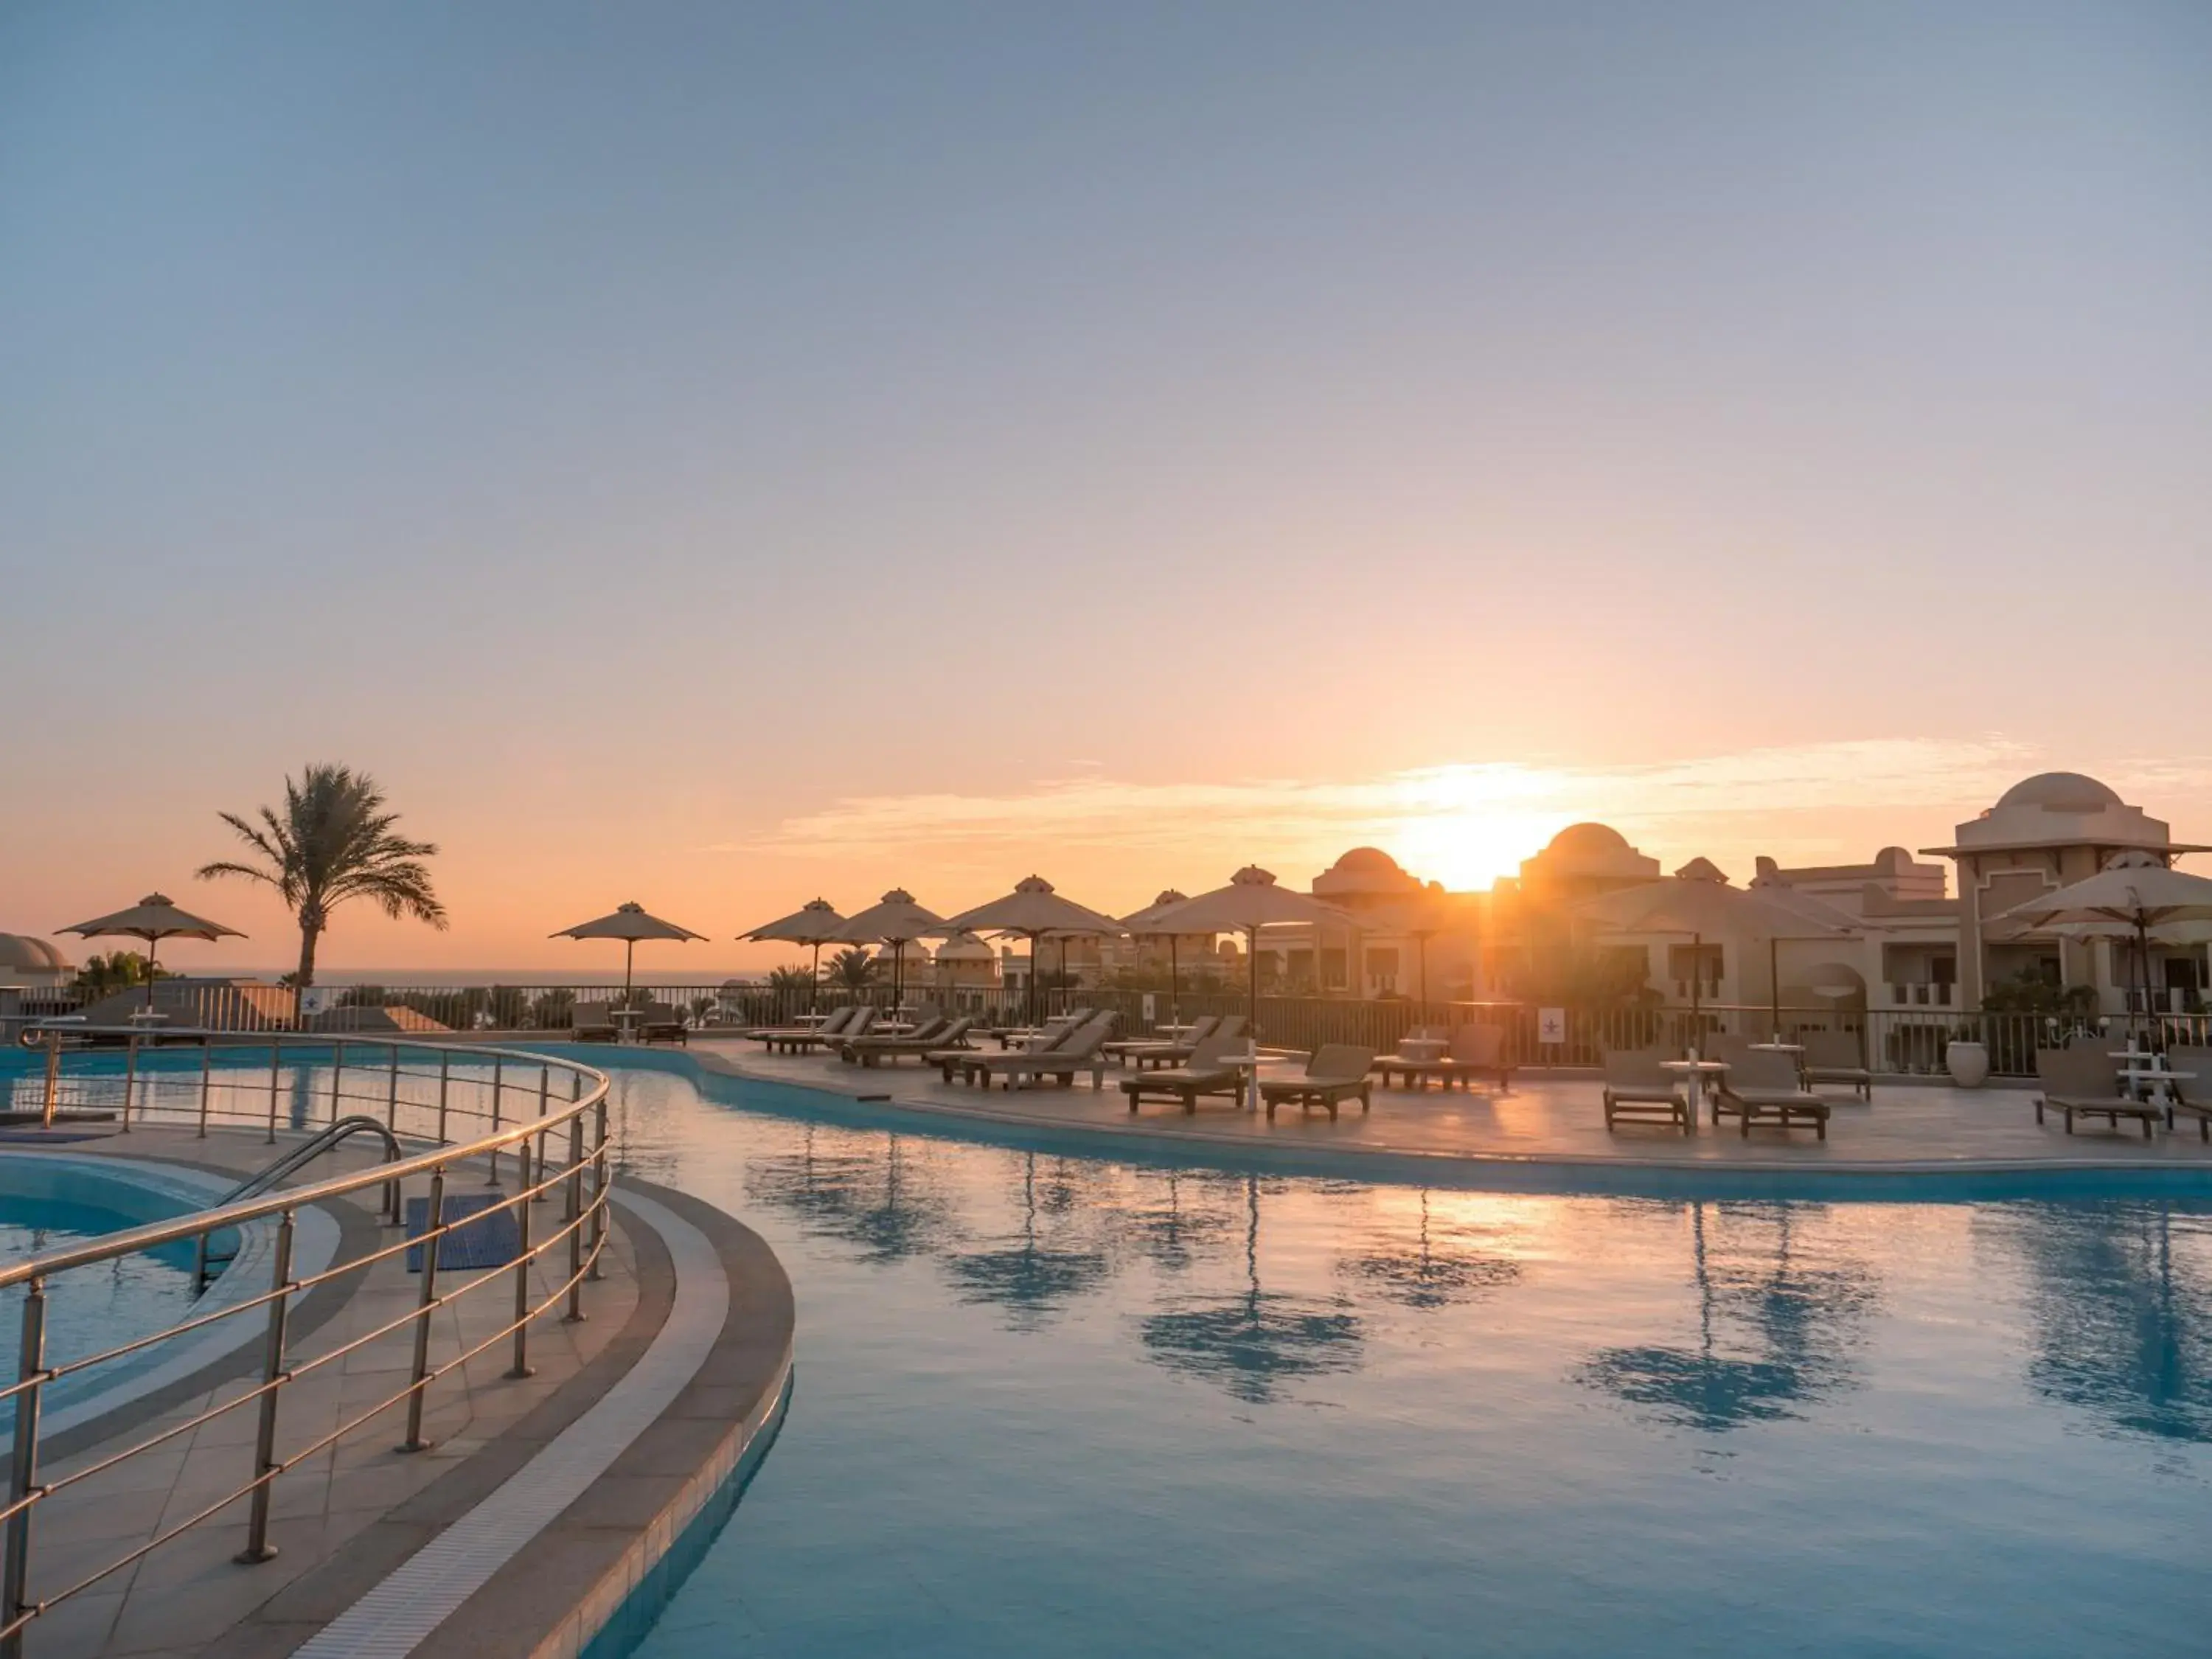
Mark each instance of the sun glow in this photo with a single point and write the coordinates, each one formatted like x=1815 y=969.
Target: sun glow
x=1465 y=826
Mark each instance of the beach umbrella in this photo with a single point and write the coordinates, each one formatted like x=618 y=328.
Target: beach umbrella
x=896 y=920
x=1698 y=902
x=1138 y=924
x=629 y=923
x=2135 y=894
x=1033 y=911
x=1250 y=901
x=153 y=918
x=815 y=922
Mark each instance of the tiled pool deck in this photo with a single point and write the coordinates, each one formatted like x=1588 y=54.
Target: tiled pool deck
x=1546 y=1117
x=360 y=1515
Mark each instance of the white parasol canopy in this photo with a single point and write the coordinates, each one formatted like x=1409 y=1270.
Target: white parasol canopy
x=629 y=923
x=1698 y=902
x=153 y=918
x=815 y=922
x=1249 y=902
x=896 y=920
x=1033 y=911
x=2133 y=897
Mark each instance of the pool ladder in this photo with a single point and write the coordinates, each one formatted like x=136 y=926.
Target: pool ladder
x=205 y=1266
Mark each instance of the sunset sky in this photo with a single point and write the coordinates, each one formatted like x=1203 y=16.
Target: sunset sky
x=718 y=455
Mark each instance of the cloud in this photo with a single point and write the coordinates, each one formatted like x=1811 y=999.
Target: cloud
x=1503 y=810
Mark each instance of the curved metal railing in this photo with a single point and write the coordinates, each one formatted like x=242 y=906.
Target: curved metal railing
x=510 y=1095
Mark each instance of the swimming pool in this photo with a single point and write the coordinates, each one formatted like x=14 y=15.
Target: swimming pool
x=1050 y=1403
x=48 y=1202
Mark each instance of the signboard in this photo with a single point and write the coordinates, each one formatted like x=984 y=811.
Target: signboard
x=1148 y=1007
x=1552 y=1025
x=316 y=999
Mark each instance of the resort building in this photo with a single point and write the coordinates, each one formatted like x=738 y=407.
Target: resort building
x=32 y=964
x=2044 y=833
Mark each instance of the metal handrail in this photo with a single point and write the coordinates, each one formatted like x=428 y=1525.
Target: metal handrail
x=541 y=1172
x=297 y=1158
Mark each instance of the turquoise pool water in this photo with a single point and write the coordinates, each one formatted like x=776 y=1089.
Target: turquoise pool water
x=1050 y=1403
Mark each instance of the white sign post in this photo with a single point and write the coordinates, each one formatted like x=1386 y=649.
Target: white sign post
x=1551 y=1027
x=1149 y=1012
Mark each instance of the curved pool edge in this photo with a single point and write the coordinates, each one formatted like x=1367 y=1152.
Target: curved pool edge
x=1956 y=1179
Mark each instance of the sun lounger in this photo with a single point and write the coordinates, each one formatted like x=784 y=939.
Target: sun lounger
x=1230 y=1029
x=593 y=1022
x=1336 y=1071
x=1202 y=1075
x=2084 y=1082
x=947 y=1034
x=1762 y=1088
x=1834 y=1057
x=1639 y=1089
x=1128 y=1048
x=803 y=1041
x=928 y=1032
x=1480 y=1051
x=659 y=1022
x=2192 y=1095
x=839 y=1023
x=1078 y=1050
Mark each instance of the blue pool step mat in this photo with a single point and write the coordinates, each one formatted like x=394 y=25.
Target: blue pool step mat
x=493 y=1242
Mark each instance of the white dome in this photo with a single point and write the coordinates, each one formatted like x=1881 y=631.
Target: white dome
x=21 y=953
x=2061 y=791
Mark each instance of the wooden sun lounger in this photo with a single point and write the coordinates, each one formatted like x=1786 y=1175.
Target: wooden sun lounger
x=1336 y=1072
x=870 y=1051
x=838 y=1025
x=803 y=1041
x=593 y=1022
x=662 y=1024
x=1637 y=1092
x=1204 y=1076
x=1228 y=1031
x=1761 y=1089
x=1077 y=1052
x=1834 y=1057
x=2080 y=1083
x=1142 y=1049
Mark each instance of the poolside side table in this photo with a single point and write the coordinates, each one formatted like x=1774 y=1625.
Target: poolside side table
x=626 y=1022
x=1693 y=1074
x=2146 y=1078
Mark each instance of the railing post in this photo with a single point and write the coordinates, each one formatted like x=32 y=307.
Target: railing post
x=272 y=1382
x=522 y=1264
x=576 y=1313
x=23 y=1467
x=544 y=1105
x=130 y=1077
x=491 y=1162
x=391 y=1094
x=433 y=1219
x=276 y=1086
x=53 y=1071
x=338 y=1069
x=445 y=1083
x=207 y=1079
x=598 y=1187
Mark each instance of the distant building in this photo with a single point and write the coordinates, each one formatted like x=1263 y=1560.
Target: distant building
x=33 y=963
x=2046 y=832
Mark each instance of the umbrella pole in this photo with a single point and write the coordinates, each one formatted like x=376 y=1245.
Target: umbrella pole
x=1252 y=981
x=153 y=950
x=1697 y=995
x=1773 y=992
x=1175 y=992
x=2143 y=974
x=1035 y=940
x=814 y=985
x=630 y=958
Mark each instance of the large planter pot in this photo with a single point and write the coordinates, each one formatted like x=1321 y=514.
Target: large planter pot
x=1969 y=1063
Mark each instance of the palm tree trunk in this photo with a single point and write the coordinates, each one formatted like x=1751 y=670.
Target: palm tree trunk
x=305 y=975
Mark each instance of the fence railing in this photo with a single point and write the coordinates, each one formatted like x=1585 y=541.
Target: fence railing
x=460 y=1108
x=1909 y=1040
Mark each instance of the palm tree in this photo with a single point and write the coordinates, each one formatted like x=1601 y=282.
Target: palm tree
x=853 y=968
x=332 y=841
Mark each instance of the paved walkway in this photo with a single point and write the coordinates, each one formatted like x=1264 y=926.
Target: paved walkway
x=184 y=1596
x=1545 y=1117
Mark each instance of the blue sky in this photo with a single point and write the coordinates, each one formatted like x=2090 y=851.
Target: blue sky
x=635 y=433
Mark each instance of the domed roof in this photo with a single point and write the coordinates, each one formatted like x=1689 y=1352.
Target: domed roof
x=965 y=947
x=1588 y=838
x=2060 y=792
x=1367 y=860
x=21 y=953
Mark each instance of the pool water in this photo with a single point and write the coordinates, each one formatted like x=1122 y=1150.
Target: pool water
x=1052 y=1404
x=88 y=1309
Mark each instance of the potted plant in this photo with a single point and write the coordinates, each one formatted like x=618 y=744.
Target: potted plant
x=1967 y=1059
